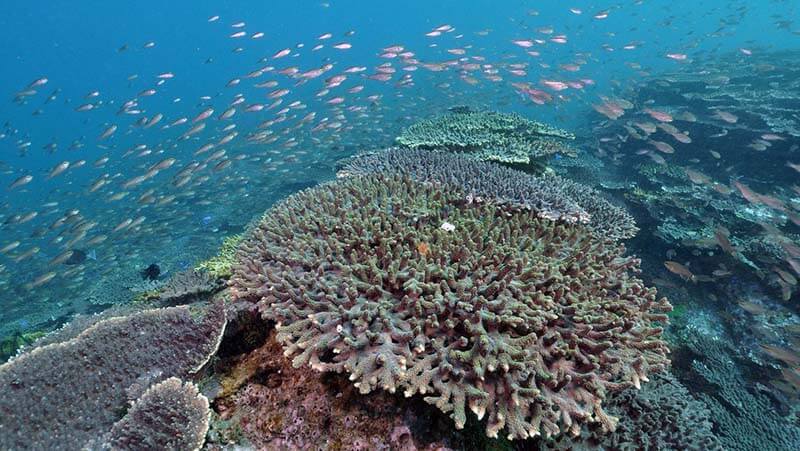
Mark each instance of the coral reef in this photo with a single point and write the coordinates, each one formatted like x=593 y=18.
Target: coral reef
x=170 y=415
x=270 y=405
x=743 y=415
x=410 y=286
x=553 y=197
x=492 y=136
x=663 y=415
x=186 y=286
x=62 y=395
x=121 y=287
x=219 y=266
x=607 y=219
x=18 y=340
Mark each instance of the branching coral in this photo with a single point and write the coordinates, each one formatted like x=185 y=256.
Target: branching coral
x=745 y=418
x=507 y=138
x=169 y=415
x=607 y=219
x=551 y=196
x=412 y=286
x=63 y=395
x=662 y=416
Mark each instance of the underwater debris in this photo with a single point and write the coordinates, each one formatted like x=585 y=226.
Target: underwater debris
x=488 y=136
x=552 y=196
x=503 y=297
x=64 y=395
x=169 y=415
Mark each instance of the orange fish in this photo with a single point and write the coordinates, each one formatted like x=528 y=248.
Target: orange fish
x=721 y=234
x=679 y=269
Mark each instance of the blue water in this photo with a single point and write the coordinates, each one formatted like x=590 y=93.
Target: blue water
x=100 y=46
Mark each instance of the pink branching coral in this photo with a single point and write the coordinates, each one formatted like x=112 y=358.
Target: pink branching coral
x=416 y=287
x=67 y=395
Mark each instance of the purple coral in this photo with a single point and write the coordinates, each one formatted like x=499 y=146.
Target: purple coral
x=520 y=318
x=64 y=395
x=170 y=415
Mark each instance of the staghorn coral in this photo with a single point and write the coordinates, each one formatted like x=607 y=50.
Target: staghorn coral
x=553 y=197
x=64 y=395
x=219 y=266
x=525 y=320
x=493 y=136
x=663 y=415
x=744 y=417
x=170 y=415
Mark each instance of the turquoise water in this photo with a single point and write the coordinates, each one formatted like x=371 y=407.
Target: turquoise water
x=102 y=97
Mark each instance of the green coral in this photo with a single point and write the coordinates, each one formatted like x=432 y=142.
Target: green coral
x=487 y=135
x=219 y=266
x=12 y=343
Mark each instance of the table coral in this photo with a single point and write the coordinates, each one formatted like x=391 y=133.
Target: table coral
x=487 y=135
x=525 y=320
x=66 y=394
x=551 y=196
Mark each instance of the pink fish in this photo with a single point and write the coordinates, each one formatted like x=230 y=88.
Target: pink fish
x=659 y=115
x=205 y=114
x=281 y=53
x=555 y=85
x=750 y=195
x=343 y=46
x=677 y=56
x=524 y=43
x=662 y=146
